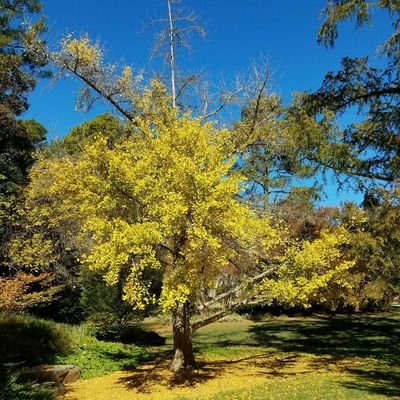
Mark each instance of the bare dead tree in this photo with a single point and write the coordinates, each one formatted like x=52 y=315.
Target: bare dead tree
x=177 y=32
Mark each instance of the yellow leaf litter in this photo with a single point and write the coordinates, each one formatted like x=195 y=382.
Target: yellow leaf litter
x=153 y=380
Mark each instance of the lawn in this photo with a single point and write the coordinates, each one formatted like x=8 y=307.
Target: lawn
x=319 y=357
x=350 y=357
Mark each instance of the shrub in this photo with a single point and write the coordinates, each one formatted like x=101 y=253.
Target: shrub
x=108 y=317
x=31 y=341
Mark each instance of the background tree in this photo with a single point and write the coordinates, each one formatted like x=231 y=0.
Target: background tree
x=20 y=63
x=366 y=149
x=81 y=135
x=17 y=146
x=178 y=28
x=375 y=243
x=19 y=68
x=271 y=155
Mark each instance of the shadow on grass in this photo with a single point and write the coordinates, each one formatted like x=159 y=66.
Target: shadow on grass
x=142 y=337
x=371 y=339
x=128 y=361
x=365 y=346
x=147 y=377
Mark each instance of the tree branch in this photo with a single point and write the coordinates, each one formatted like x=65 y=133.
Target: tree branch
x=224 y=103
x=108 y=97
x=369 y=175
x=235 y=289
x=221 y=314
x=258 y=101
x=365 y=96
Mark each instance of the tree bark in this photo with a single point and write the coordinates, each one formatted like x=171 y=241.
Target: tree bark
x=182 y=331
x=172 y=53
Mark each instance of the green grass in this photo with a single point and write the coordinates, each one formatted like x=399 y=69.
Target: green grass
x=97 y=358
x=27 y=341
x=309 y=387
x=321 y=357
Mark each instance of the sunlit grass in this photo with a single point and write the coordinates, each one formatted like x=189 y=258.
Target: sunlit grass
x=320 y=357
x=342 y=357
x=309 y=387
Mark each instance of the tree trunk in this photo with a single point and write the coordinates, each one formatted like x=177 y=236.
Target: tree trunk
x=183 y=347
x=172 y=53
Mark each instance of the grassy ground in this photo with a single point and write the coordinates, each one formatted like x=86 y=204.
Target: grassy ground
x=341 y=357
x=96 y=358
x=27 y=341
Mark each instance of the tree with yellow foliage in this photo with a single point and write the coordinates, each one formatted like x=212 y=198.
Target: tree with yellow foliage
x=167 y=199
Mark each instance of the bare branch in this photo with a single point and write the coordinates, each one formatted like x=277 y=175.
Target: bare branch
x=177 y=32
x=236 y=289
x=226 y=100
x=223 y=313
x=102 y=94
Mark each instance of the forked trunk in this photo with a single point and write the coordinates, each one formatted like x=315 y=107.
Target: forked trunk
x=183 y=347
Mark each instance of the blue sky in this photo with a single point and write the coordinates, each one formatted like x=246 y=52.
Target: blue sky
x=238 y=31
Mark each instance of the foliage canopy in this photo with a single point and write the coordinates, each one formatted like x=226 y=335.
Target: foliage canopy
x=369 y=148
